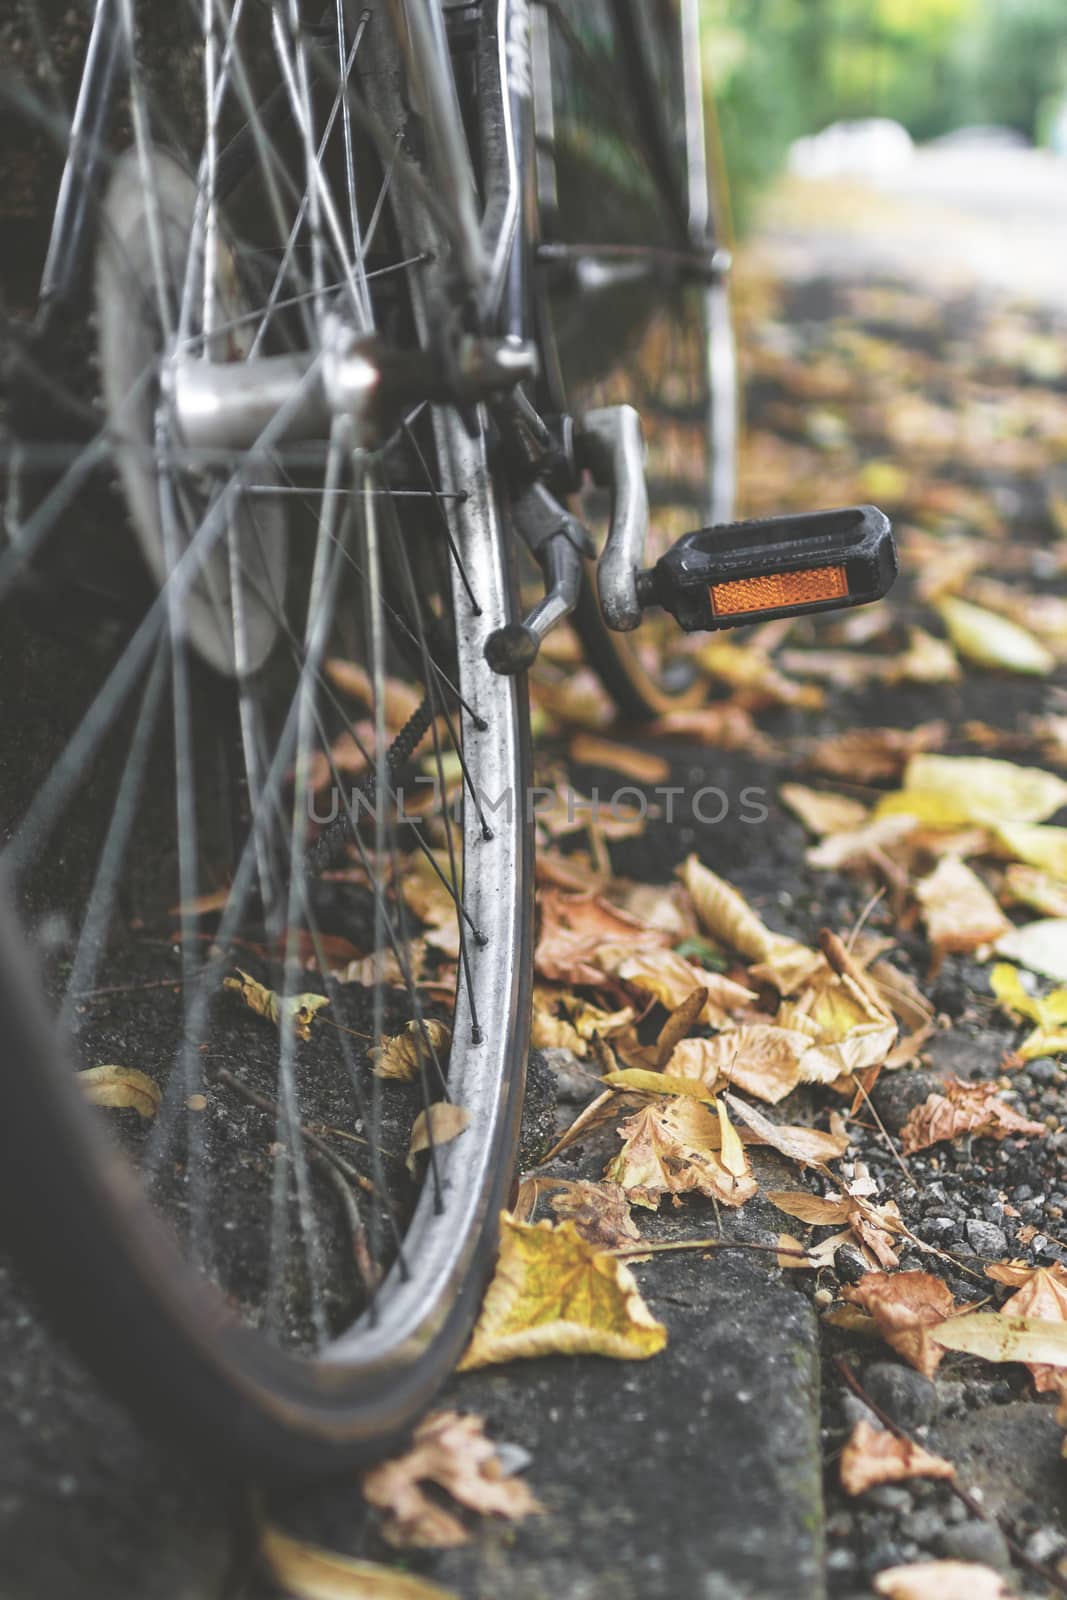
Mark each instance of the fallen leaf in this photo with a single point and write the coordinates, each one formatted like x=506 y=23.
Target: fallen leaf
x=809 y=1146
x=872 y=1226
x=760 y=1058
x=400 y=700
x=574 y=926
x=865 y=755
x=995 y=1337
x=1039 y=844
x=731 y=1150
x=1048 y=1011
x=450 y=1451
x=949 y=790
x=669 y=978
x=861 y=847
x=724 y=725
x=555 y=1294
x=306 y=1572
x=681 y=1021
x=943 y=1580
x=638 y=1080
x=1040 y=946
x=1042 y=1295
x=300 y=1008
x=408 y=1053
x=724 y=914
x=673 y=1148
x=993 y=641
x=959 y=911
x=643 y=766
x=426 y=885
x=908 y=1307
x=821 y=812
x=874 y=1455
x=121 y=1089
x=1029 y=886
x=436 y=1125
x=599 y=1211
x=751 y=673
x=964 y=1108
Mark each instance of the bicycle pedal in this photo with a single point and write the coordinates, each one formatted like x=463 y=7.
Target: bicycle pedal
x=741 y=572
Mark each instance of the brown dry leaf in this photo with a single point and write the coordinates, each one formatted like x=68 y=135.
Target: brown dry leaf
x=726 y=916
x=724 y=725
x=600 y=1211
x=865 y=755
x=821 y=812
x=872 y=1226
x=640 y=1080
x=436 y=1125
x=400 y=700
x=964 y=1108
x=678 y=1024
x=874 y=1455
x=643 y=766
x=754 y=678
x=301 y=1008
x=556 y=1294
x=669 y=978
x=383 y=967
x=405 y=1054
x=943 y=1580
x=427 y=893
x=959 y=911
x=869 y=846
x=306 y=1572
x=562 y=1020
x=809 y=1146
x=574 y=926
x=907 y=1306
x=674 y=1149
x=121 y=1089
x=450 y=1451
x=760 y=1058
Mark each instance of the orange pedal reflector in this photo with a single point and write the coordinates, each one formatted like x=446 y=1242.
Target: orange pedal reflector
x=778 y=589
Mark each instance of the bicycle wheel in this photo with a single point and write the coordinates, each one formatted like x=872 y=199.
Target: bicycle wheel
x=620 y=321
x=268 y=890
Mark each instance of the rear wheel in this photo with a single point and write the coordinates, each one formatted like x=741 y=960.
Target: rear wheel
x=619 y=323
x=264 y=951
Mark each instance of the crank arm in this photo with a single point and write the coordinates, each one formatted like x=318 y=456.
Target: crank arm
x=743 y=572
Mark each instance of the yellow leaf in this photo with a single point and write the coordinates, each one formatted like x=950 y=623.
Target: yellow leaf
x=874 y=1455
x=724 y=914
x=672 y=1148
x=300 y=1008
x=752 y=673
x=450 y=1451
x=926 y=660
x=989 y=790
x=638 y=1081
x=731 y=1150
x=436 y=1125
x=555 y=1294
x=405 y=1054
x=1008 y=988
x=995 y=1337
x=306 y=1572
x=121 y=1088
x=1038 y=844
x=992 y=641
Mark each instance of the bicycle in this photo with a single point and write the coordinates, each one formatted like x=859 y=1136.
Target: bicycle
x=292 y=339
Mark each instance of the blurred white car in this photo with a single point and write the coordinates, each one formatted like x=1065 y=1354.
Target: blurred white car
x=875 y=147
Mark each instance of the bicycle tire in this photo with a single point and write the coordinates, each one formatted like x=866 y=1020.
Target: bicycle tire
x=101 y=1261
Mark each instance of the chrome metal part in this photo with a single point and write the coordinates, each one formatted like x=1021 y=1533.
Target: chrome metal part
x=610 y=444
